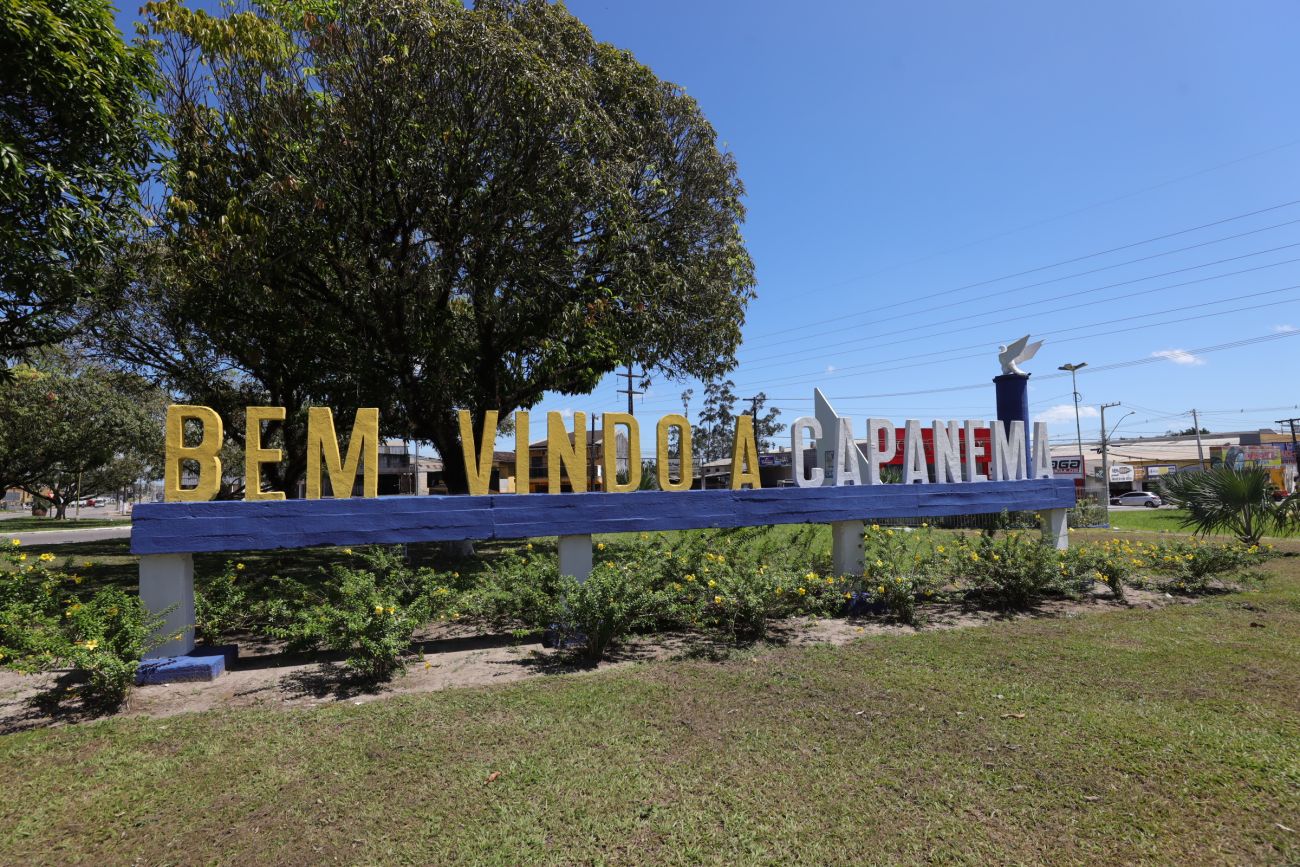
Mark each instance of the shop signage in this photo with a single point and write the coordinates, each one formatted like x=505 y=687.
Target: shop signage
x=1068 y=467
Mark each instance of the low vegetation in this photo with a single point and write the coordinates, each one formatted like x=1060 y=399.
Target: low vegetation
x=1130 y=736
x=366 y=606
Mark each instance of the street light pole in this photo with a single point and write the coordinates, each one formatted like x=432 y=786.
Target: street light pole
x=1105 y=443
x=1078 y=428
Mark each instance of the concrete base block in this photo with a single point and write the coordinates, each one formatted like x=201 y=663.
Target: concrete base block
x=201 y=664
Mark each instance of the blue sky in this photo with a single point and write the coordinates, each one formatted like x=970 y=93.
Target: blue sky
x=894 y=153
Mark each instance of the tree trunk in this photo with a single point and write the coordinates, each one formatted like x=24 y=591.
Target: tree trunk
x=445 y=436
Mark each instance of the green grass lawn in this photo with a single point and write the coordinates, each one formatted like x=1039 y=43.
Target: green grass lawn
x=30 y=524
x=1155 y=521
x=1164 y=736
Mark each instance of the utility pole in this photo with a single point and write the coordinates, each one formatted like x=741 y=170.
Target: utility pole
x=1105 y=453
x=1295 y=450
x=1200 y=452
x=629 y=391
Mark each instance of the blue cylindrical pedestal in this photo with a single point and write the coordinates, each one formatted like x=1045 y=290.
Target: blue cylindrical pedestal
x=1013 y=404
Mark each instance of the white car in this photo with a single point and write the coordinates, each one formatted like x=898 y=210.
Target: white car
x=1137 y=498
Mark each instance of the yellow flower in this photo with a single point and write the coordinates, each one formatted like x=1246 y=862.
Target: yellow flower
x=924 y=525
x=76 y=579
x=690 y=577
x=889 y=532
x=528 y=547
x=15 y=542
x=46 y=557
x=89 y=644
x=22 y=558
x=940 y=549
x=880 y=564
x=347 y=550
x=391 y=609
x=645 y=536
x=811 y=576
x=974 y=556
x=830 y=580
x=717 y=600
x=379 y=609
x=779 y=591
x=239 y=567
x=875 y=526
x=802 y=591
x=600 y=546
x=996 y=558
x=713 y=583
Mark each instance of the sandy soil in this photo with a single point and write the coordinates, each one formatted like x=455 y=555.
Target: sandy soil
x=457 y=656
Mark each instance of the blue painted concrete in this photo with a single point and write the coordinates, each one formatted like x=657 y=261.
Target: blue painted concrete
x=172 y=528
x=200 y=664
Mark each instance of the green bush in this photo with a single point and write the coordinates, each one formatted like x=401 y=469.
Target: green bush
x=221 y=605
x=903 y=566
x=520 y=589
x=1087 y=512
x=614 y=600
x=46 y=624
x=1013 y=570
x=1111 y=563
x=1191 y=566
x=370 y=612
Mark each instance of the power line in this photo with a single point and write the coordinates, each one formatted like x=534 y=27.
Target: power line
x=1054 y=298
x=875 y=320
x=1160 y=185
x=1204 y=350
x=892 y=364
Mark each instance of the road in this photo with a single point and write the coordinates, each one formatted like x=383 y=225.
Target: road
x=56 y=537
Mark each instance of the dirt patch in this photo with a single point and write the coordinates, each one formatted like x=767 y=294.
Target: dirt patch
x=457 y=656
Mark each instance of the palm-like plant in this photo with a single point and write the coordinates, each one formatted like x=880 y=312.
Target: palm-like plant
x=1227 y=500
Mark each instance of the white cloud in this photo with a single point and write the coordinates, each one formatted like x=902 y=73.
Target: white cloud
x=1283 y=329
x=1064 y=412
x=1178 y=356
x=566 y=413
x=830 y=368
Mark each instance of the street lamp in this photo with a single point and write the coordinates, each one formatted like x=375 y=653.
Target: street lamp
x=1078 y=429
x=1105 y=442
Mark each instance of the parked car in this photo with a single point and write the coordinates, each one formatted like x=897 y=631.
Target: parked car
x=1137 y=498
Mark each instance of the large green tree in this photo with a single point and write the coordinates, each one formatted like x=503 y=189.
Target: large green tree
x=431 y=208
x=72 y=431
x=76 y=125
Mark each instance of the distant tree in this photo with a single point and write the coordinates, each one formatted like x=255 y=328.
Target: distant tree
x=714 y=434
x=76 y=127
x=67 y=433
x=435 y=207
x=766 y=426
x=1191 y=431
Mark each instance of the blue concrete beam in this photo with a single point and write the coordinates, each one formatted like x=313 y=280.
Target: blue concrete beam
x=172 y=528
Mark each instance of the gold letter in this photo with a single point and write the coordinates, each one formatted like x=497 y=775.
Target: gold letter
x=255 y=455
x=478 y=473
x=609 y=450
x=204 y=454
x=573 y=453
x=686 y=467
x=523 y=472
x=744 y=452
x=363 y=448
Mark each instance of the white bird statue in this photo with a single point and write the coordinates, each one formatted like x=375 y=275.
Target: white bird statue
x=1017 y=351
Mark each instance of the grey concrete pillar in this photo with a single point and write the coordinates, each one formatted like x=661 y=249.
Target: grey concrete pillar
x=167 y=585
